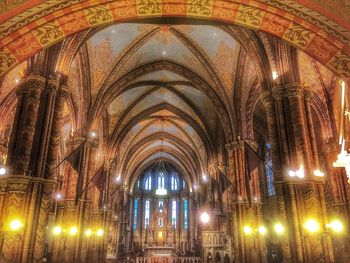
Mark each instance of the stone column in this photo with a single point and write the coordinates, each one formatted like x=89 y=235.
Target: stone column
x=51 y=160
x=27 y=159
x=23 y=131
x=72 y=212
x=245 y=210
x=290 y=129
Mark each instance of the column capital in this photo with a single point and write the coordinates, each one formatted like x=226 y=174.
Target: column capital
x=288 y=90
x=52 y=86
x=233 y=145
x=285 y=91
x=63 y=92
x=30 y=83
x=240 y=144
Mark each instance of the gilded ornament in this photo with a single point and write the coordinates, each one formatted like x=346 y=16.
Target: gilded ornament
x=200 y=7
x=149 y=7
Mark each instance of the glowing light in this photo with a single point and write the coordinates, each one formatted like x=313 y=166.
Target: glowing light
x=161 y=191
x=93 y=134
x=99 y=232
x=160 y=234
x=205 y=218
x=58 y=196
x=73 y=231
x=299 y=173
x=312 y=226
x=336 y=225
x=88 y=232
x=279 y=228
x=17 y=81
x=3 y=170
x=318 y=173
x=247 y=230
x=118 y=179
x=164 y=52
x=343 y=159
x=205 y=178
x=262 y=230
x=16 y=224
x=57 y=230
x=196 y=187
x=274 y=75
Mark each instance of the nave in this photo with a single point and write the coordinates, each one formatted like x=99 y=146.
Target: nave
x=174 y=131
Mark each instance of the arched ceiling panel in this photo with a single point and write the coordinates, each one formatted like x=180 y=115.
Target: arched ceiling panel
x=160 y=96
x=106 y=47
x=195 y=137
x=202 y=103
x=164 y=46
x=314 y=75
x=133 y=132
x=116 y=109
x=162 y=76
x=218 y=46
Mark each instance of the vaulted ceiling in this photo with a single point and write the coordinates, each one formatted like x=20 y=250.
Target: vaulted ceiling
x=177 y=91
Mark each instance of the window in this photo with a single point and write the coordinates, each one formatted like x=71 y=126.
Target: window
x=138 y=184
x=183 y=184
x=136 y=207
x=161 y=183
x=160 y=222
x=160 y=206
x=173 y=183
x=173 y=213
x=268 y=172
x=147 y=212
x=185 y=214
x=148 y=184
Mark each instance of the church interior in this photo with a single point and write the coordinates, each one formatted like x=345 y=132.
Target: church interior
x=175 y=131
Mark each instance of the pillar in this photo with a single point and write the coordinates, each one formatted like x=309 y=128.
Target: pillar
x=293 y=147
x=28 y=186
x=77 y=212
x=245 y=211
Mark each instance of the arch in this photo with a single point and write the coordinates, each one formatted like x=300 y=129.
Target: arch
x=117 y=88
x=184 y=149
x=118 y=137
x=135 y=173
x=55 y=26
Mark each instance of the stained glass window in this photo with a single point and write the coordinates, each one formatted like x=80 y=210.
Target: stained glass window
x=185 y=214
x=161 y=206
x=173 y=213
x=148 y=184
x=147 y=212
x=268 y=172
x=173 y=183
x=161 y=183
x=136 y=207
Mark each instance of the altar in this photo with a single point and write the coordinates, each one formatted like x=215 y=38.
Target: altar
x=160 y=251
